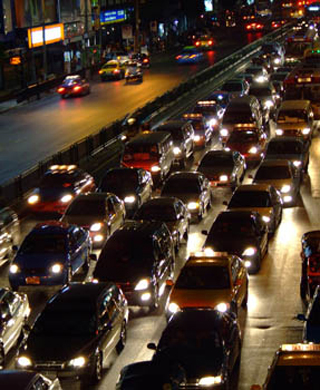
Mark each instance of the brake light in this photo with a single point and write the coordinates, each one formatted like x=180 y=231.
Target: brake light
x=210 y=42
x=100 y=71
x=77 y=88
x=60 y=90
x=145 y=61
x=116 y=71
x=249 y=27
x=314 y=263
x=178 y=57
x=197 y=43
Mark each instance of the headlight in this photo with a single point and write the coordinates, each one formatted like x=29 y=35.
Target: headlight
x=249 y=251
x=222 y=307
x=268 y=103
x=56 y=268
x=193 y=205
x=24 y=361
x=143 y=284
x=306 y=131
x=223 y=178
x=14 y=269
x=173 y=307
x=78 y=362
x=253 y=150
x=260 y=79
x=210 y=380
x=66 y=198
x=176 y=151
x=213 y=122
x=247 y=264
x=297 y=163
x=277 y=61
x=197 y=138
x=33 y=199
x=224 y=132
x=279 y=132
x=95 y=227
x=265 y=219
x=285 y=189
x=130 y=199
x=155 y=168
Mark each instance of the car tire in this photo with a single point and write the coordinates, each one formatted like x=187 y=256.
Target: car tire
x=123 y=338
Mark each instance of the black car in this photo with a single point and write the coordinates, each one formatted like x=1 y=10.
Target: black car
x=9 y=232
x=223 y=168
x=132 y=185
x=77 y=331
x=242 y=233
x=193 y=188
x=140 y=258
x=155 y=375
x=206 y=343
x=27 y=380
x=170 y=210
x=293 y=149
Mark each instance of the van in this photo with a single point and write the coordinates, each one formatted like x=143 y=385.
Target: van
x=152 y=151
x=244 y=110
x=182 y=133
x=295 y=118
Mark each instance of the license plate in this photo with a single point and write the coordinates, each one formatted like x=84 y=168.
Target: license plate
x=33 y=280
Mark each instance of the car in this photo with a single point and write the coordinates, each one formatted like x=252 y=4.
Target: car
x=263 y=198
x=100 y=213
x=121 y=56
x=310 y=265
x=193 y=188
x=58 y=186
x=182 y=133
x=203 y=132
x=246 y=76
x=73 y=86
x=222 y=98
x=189 y=55
x=223 y=168
x=289 y=148
x=248 y=140
x=211 y=111
x=295 y=366
x=259 y=72
x=236 y=87
x=14 y=314
x=266 y=93
x=242 y=233
x=204 y=42
x=76 y=333
x=283 y=176
x=279 y=87
x=207 y=344
x=9 y=233
x=266 y=62
x=142 y=58
x=254 y=25
x=170 y=210
x=140 y=258
x=132 y=185
x=27 y=380
x=112 y=69
x=275 y=51
x=311 y=320
x=133 y=71
x=156 y=374
x=210 y=279
x=277 y=23
x=50 y=255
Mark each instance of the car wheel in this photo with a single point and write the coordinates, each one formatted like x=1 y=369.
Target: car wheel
x=123 y=338
x=2 y=356
x=97 y=369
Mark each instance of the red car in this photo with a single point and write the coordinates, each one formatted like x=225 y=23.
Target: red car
x=73 y=86
x=254 y=26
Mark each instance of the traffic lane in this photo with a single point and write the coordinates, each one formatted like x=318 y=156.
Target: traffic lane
x=40 y=129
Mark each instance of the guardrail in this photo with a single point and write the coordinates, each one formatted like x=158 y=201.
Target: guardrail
x=107 y=141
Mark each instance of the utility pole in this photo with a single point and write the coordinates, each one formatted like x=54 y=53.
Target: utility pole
x=137 y=23
x=42 y=10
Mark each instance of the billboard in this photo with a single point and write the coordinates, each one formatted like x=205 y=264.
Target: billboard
x=113 y=16
x=53 y=33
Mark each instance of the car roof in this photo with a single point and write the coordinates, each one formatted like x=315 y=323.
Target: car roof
x=241 y=101
x=161 y=201
x=180 y=175
x=204 y=261
x=313 y=234
x=294 y=104
x=241 y=214
x=148 y=138
x=141 y=228
x=300 y=354
x=220 y=152
x=274 y=163
x=16 y=379
x=254 y=187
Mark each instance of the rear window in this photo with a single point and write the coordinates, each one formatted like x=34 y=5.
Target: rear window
x=292 y=116
x=140 y=152
x=43 y=243
x=273 y=172
x=203 y=278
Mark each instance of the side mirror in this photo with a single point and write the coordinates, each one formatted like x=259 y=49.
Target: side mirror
x=204 y=232
x=300 y=317
x=15 y=248
x=93 y=257
x=225 y=203
x=152 y=346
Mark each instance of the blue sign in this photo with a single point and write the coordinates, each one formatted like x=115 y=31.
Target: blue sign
x=117 y=15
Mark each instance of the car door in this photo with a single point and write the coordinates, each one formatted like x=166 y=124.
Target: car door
x=78 y=248
x=276 y=204
x=261 y=234
x=145 y=189
x=182 y=218
x=205 y=190
x=12 y=311
x=188 y=139
x=111 y=215
x=119 y=209
x=161 y=262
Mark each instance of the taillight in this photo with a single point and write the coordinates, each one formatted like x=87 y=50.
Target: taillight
x=61 y=89
x=145 y=61
x=248 y=27
x=197 y=43
x=210 y=42
x=178 y=57
x=116 y=71
x=100 y=71
x=314 y=264
x=77 y=88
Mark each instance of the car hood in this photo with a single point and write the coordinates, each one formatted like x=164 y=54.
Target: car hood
x=53 y=193
x=38 y=260
x=285 y=156
x=242 y=147
x=277 y=183
x=231 y=244
x=60 y=349
x=264 y=211
x=186 y=198
x=213 y=173
x=199 y=298
x=293 y=126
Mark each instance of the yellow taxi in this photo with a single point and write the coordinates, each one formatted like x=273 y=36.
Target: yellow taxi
x=210 y=280
x=294 y=366
x=112 y=69
x=263 y=198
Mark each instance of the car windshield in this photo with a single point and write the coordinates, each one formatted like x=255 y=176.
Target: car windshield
x=110 y=66
x=176 y=133
x=201 y=277
x=231 y=117
x=91 y=207
x=268 y=49
x=250 y=199
x=232 y=87
x=273 y=172
x=125 y=257
x=63 y=181
x=232 y=225
x=43 y=243
x=295 y=377
x=141 y=152
x=119 y=179
x=164 y=213
x=178 y=186
x=71 y=81
x=65 y=321
x=285 y=147
x=243 y=137
x=217 y=161
x=260 y=91
x=311 y=92
x=292 y=116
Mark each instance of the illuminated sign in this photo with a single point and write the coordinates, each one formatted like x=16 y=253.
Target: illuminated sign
x=208 y=5
x=15 y=60
x=53 y=33
x=118 y=15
